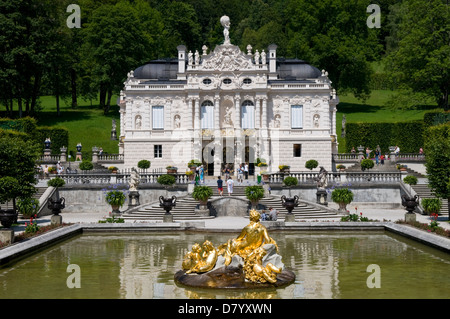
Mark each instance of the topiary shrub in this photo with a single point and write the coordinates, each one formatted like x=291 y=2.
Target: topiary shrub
x=143 y=164
x=367 y=164
x=311 y=164
x=290 y=181
x=56 y=182
x=86 y=165
x=166 y=180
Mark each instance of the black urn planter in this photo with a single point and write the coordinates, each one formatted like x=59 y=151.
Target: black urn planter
x=410 y=203
x=56 y=205
x=289 y=203
x=167 y=203
x=7 y=217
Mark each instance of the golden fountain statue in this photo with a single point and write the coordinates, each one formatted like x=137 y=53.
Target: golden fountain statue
x=246 y=261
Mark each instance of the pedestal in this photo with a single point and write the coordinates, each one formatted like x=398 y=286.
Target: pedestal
x=322 y=197
x=113 y=135
x=78 y=157
x=410 y=217
x=133 y=197
x=7 y=236
x=202 y=211
x=56 y=220
x=289 y=218
x=47 y=154
x=168 y=218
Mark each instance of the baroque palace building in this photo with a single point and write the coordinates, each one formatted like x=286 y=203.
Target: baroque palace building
x=228 y=107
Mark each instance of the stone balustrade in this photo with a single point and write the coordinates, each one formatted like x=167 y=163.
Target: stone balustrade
x=339 y=177
x=118 y=178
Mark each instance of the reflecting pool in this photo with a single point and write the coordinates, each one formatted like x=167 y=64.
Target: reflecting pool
x=327 y=265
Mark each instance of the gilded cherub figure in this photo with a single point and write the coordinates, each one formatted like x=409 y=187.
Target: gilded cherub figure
x=207 y=261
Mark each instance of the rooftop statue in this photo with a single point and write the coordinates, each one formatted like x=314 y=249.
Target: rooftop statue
x=225 y=21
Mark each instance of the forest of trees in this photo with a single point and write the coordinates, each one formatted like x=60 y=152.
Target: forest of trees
x=40 y=55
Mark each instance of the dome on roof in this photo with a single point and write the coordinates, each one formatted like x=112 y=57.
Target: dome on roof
x=157 y=69
x=297 y=69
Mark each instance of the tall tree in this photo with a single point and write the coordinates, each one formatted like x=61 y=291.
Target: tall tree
x=115 y=42
x=420 y=56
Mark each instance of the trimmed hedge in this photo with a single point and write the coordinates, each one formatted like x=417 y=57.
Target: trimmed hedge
x=59 y=136
x=407 y=135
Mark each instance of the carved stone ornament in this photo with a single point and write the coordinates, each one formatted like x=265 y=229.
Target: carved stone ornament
x=227 y=58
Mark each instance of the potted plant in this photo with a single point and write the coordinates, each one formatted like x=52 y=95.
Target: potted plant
x=28 y=206
x=166 y=180
x=144 y=164
x=367 y=164
x=311 y=164
x=254 y=194
x=202 y=194
x=171 y=169
x=116 y=199
x=431 y=205
x=289 y=182
x=86 y=165
x=113 y=169
x=340 y=167
x=191 y=175
x=284 y=168
x=342 y=196
x=401 y=167
x=410 y=180
x=52 y=170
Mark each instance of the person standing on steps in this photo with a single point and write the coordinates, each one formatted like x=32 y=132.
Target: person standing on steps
x=230 y=184
x=220 y=186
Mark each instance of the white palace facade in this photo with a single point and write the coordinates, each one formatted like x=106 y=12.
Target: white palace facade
x=228 y=107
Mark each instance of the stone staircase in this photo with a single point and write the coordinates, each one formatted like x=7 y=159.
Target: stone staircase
x=37 y=195
x=424 y=191
x=185 y=206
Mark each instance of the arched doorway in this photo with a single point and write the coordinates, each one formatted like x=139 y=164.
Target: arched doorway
x=208 y=159
x=228 y=158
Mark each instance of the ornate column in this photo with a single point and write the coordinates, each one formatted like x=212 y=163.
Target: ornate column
x=217 y=137
x=197 y=129
x=237 y=107
x=217 y=112
x=264 y=112
x=258 y=113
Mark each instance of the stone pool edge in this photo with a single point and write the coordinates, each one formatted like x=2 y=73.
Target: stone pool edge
x=27 y=247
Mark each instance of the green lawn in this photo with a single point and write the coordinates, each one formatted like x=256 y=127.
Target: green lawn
x=87 y=125
x=373 y=110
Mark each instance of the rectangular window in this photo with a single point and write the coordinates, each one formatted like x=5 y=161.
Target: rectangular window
x=297 y=150
x=207 y=116
x=248 y=117
x=158 y=117
x=157 y=151
x=296 y=116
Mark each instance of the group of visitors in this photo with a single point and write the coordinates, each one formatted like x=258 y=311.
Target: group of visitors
x=46 y=170
x=230 y=185
x=272 y=215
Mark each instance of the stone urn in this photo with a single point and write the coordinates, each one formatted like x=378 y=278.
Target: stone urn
x=7 y=217
x=56 y=205
x=289 y=203
x=410 y=203
x=167 y=203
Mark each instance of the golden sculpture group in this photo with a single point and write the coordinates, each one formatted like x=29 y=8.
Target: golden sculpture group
x=249 y=245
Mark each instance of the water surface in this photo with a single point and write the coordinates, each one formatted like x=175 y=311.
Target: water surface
x=327 y=265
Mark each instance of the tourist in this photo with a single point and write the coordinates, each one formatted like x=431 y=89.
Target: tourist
x=227 y=172
x=246 y=170
x=264 y=215
x=368 y=151
x=202 y=174
x=220 y=186
x=240 y=172
x=45 y=172
x=382 y=159
x=397 y=150
x=230 y=184
x=273 y=213
x=353 y=150
x=421 y=151
x=377 y=155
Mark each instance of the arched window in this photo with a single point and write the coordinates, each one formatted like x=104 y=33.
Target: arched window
x=207 y=115
x=248 y=115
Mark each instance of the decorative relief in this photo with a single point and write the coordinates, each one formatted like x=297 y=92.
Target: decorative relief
x=227 y=58
x=177 y=121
